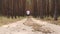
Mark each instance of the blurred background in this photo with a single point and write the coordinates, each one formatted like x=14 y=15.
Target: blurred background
x=44 y=9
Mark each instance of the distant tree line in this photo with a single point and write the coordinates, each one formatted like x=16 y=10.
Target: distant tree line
x=46 y=8
x=12 y=8
x=38 y=8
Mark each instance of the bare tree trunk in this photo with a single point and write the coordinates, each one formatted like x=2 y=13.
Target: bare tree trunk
x=41 y=10
x=47 y=8
x=24 y=5
x=39 y=7
x=0 y=7
x=56 y=11
x=35 y=8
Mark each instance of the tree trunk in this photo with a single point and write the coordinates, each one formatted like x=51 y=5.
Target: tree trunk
x=41 y=10
x=56 y=11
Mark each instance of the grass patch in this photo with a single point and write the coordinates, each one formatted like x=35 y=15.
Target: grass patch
x=51 y=20
x=56 y=22
x=4 y=20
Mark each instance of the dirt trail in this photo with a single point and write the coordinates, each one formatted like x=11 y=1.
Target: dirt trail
x=30 y=26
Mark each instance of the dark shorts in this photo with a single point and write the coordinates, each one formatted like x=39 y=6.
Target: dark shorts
x=28 y=15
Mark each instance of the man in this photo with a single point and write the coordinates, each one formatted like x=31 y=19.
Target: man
x=28 y=12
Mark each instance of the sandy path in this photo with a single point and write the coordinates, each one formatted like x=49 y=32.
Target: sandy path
x=30 y=26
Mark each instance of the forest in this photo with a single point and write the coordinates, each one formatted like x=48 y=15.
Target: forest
x=38 y=8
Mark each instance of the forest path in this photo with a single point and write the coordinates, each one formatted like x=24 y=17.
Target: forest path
x=30 y=26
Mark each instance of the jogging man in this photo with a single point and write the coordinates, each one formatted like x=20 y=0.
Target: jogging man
x=28 y=13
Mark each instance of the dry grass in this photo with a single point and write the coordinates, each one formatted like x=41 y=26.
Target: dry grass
x=51 y=20
x=5 y=20
x=56 y=22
